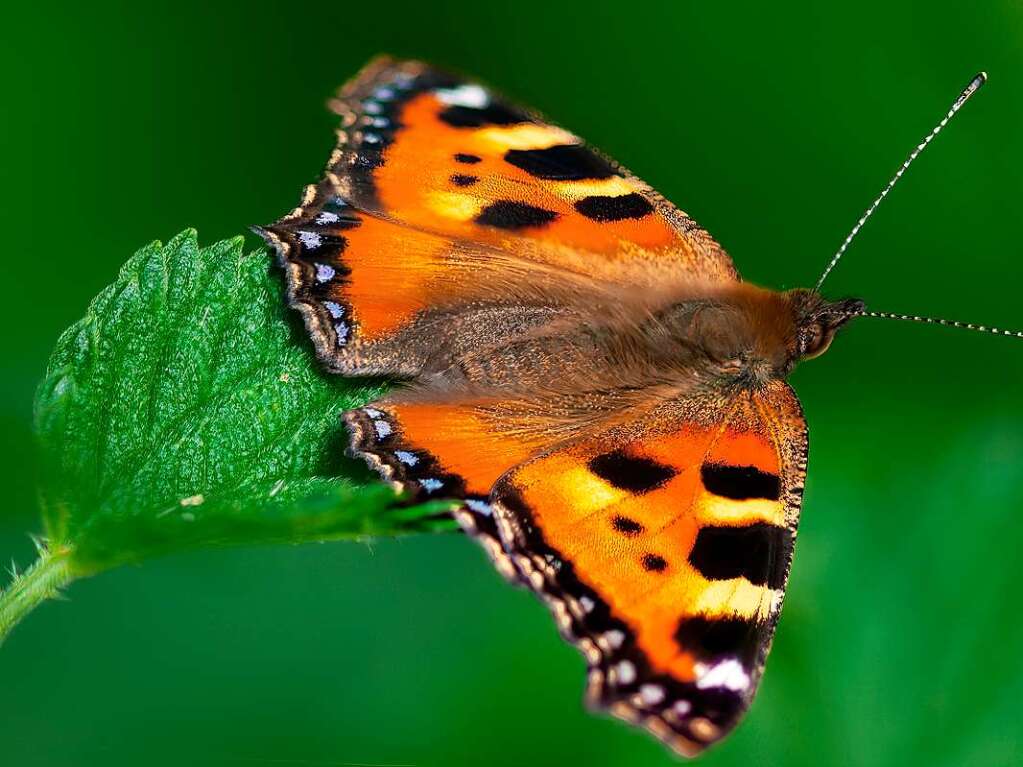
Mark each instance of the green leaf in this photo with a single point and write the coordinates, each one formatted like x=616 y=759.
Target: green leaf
x=186 y=409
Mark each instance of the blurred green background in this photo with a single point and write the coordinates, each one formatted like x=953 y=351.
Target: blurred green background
x=773 y=125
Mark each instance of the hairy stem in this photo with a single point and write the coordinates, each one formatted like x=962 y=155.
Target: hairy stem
x=42 y=581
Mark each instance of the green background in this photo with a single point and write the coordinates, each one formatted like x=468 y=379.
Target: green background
x=773 y=126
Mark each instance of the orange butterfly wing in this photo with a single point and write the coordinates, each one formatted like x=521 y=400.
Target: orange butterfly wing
x=440 y=189
x=663 y=549
x=441 y=449
x=662 y=544
x=437 y=151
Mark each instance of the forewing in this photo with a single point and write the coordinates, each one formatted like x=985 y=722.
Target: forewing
x=382 y=298
x=441 y=191
x=663 y=549
x=437 y=151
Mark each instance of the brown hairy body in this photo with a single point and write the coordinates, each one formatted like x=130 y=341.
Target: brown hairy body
x=575 y=359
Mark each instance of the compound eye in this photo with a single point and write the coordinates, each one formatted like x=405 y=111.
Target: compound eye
x=814 y=341
x=809 y=338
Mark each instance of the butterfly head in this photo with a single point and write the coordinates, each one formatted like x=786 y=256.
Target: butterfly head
x=750 y=336
x=817 y=320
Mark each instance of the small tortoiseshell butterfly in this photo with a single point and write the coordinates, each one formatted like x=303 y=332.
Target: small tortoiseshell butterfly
x=587 y=375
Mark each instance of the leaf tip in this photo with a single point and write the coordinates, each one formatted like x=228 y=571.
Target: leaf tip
x=187 y=237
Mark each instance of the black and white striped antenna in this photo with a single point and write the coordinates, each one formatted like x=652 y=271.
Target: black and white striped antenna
x=970 y=89
x=937 y=321
x=967 y=92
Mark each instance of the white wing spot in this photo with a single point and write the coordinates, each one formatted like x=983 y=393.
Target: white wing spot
x=727 y=673
x=587 y=604
x=326 y=217
x=470 y=95
x=480 y=507
x=324 y=273
x=372 y=412
x=652 y=694
x=311 y=240
x=407 y=458
x=341 y=329
x=430 y=484
x=626 y=672
x=614 y=638
x=336 y=310
x=776 y=600
x=682 y=707
x=383 y=429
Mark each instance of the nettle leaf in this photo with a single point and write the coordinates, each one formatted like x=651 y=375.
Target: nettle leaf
x=185 y=409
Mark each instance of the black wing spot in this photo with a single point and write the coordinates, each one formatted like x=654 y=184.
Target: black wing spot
x=740 y=482
x=654 y=563
x=563 y=162
x=468 y=159
x=493 y=113
x=759 y=553
x=709 y=638
x=505 y=214
x=627 y=472
x=626 y=525
x=463 y=179
x=605 y=208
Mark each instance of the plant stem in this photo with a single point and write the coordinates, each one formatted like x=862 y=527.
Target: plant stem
x=42 y=581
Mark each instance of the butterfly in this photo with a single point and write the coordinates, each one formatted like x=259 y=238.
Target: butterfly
x=584 y=373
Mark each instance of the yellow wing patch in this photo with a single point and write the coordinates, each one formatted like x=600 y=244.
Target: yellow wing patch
x=668 y=547
x=437 y=152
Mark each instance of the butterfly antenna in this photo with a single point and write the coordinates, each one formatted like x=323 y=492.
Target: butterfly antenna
x=970 y=89
x=937 y=321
